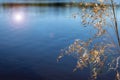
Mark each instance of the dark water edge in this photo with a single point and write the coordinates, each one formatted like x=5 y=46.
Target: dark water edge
x=54 y=4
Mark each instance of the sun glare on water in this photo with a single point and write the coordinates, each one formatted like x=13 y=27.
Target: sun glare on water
x=18 y=17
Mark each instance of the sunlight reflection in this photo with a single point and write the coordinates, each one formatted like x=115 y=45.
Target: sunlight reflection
x=18 y=17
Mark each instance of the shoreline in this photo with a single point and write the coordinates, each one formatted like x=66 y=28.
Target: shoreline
x=56 y=4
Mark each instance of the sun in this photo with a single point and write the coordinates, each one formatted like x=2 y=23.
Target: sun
x=18 y=17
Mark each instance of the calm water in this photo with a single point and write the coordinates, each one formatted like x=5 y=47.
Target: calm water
x=31 y=39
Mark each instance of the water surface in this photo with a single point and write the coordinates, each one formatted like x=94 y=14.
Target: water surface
x=31 y=39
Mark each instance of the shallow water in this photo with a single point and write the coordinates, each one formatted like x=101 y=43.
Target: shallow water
x=31 y=39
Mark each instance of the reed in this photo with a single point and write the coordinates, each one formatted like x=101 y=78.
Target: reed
x=115 y=21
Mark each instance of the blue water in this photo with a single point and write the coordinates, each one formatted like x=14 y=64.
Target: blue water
x=31 y=42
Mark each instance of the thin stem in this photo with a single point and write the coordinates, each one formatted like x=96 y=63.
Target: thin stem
x=116 y=25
